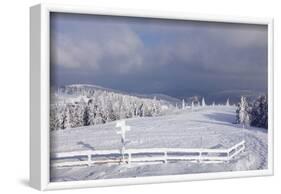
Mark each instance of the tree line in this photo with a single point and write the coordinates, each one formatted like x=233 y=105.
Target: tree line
x=99 y=108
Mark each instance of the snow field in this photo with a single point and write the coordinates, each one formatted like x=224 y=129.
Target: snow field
x=205 y=127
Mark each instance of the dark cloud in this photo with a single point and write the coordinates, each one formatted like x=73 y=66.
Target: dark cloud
x=151 y=55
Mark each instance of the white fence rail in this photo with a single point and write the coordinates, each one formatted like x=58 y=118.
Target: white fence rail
x=90 y=157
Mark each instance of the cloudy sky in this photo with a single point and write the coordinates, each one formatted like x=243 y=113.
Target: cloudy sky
x=140 y=55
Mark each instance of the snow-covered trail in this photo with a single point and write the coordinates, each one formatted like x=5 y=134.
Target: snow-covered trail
x=208 y=127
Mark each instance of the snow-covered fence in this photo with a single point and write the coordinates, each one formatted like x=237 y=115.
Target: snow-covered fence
x=90 y=157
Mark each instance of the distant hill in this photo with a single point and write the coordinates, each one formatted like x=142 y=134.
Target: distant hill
x=86 y=89
x=217 y=97
x=233 y=95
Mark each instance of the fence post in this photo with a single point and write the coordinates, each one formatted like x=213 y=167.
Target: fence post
x=199 y=160
x=228 y=154
x=89 y=159
x=129 y=158
x=123 y=153
x=165 y=157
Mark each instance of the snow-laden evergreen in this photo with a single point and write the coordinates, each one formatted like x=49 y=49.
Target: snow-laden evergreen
x=203 y=102
x=99 y=107
x=227 y=102
x=244 y=117
x=192 y=105
x=253 y=112
x=259 y=112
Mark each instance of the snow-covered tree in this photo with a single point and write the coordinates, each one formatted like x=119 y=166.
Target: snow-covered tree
x=77 y=115
x=259 y=112
x=253 y=113
x=203 y=102
x=86 y=115
x=214 y=104
x=227 y=102
x=183 y=104
x=99 y=107
x=55 y=117
x=192 y=105
x=244 y=117
x=66 y=117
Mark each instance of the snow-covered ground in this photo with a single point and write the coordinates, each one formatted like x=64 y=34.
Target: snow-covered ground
x=205 y=127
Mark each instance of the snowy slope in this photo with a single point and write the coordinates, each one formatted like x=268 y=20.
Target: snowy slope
x=75 y=92
x=208 y=127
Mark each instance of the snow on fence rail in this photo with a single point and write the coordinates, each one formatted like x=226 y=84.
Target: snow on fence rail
x=90 y=157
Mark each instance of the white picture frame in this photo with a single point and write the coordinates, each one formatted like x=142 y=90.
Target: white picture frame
x=40 y=91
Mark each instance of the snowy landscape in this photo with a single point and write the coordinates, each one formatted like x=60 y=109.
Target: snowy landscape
x=171 y=126
x=137 y=97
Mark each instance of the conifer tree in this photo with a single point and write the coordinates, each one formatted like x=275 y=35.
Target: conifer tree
x=227 y=102
x=183 y=104
x=203 y=102
x=244 y=116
